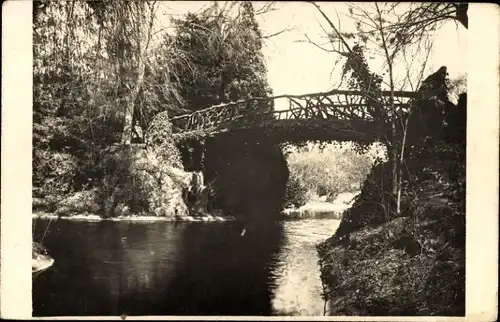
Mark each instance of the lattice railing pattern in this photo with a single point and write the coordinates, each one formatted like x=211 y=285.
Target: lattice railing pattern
x=335 y=105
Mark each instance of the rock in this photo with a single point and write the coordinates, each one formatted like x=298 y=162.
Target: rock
x=41 y=260
x=139 y=182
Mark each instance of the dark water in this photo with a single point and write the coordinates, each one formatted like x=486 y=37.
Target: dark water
x=164 y=268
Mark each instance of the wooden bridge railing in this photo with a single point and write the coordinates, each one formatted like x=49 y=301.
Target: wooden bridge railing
x=336 y=104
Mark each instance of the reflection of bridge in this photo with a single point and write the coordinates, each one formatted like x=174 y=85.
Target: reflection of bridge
x=335 y=115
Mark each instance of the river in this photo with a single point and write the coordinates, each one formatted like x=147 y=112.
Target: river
x=174 y=268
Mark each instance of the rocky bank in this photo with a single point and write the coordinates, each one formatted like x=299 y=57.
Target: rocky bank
x=136 y=180
x=410 y=263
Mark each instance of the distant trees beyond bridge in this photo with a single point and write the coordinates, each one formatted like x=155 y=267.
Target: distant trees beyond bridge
x=340 y=115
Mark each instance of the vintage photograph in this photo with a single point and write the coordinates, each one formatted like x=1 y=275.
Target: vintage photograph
x=240 y=158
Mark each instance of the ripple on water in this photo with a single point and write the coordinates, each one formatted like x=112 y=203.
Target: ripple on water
x=298 y=284
x=136 y=266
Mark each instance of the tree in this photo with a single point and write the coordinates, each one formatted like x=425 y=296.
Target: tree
x=94 y=74
x=128 y=29
x=457 y=87
x=385 y=31
x=218 y=59
x=63 y=120
x=422 y=17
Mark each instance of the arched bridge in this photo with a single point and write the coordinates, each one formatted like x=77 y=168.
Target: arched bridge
x=340 y=115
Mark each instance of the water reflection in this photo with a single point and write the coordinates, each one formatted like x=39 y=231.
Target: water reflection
x=297 y=280
x=105 y=268
x=114 y=268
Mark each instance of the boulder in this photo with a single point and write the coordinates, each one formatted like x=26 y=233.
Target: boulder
x=137 y=181
x=41 y=260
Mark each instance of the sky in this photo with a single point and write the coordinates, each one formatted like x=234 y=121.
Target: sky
x=296 y=67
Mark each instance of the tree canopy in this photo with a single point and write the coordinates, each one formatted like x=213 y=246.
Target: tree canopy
x=218 y=57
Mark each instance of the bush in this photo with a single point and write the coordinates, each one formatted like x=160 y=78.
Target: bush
x=53 y=173
x=160 y=140
x=296 y=194
x=73 y=144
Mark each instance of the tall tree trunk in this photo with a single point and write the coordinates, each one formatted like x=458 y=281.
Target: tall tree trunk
x=401 y=160
x=130 y=106
x=395 y=187
x=393 y=145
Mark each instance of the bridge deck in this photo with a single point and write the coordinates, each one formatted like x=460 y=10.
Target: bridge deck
x=342 y=113
x=292 y=131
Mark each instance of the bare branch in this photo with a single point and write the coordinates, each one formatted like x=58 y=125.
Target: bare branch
x=408 y=67
x=419 y=81
x=339 y=35
x=267 y=7
x=324 y=49
x=277 y=33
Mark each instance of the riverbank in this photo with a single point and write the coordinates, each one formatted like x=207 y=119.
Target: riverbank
x=94 y=217
x=313 y=209
x=321 y=209
x=412 y=264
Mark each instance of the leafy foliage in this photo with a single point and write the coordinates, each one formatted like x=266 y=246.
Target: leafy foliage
x=87 y=59
x=219 y=57
x=56 y=173
x=296 y=194
x=325 y=172
x=160 y=140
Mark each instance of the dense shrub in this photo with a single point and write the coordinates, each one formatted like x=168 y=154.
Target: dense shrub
x=55 y=172
x=296 y=194
x=159 y=139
